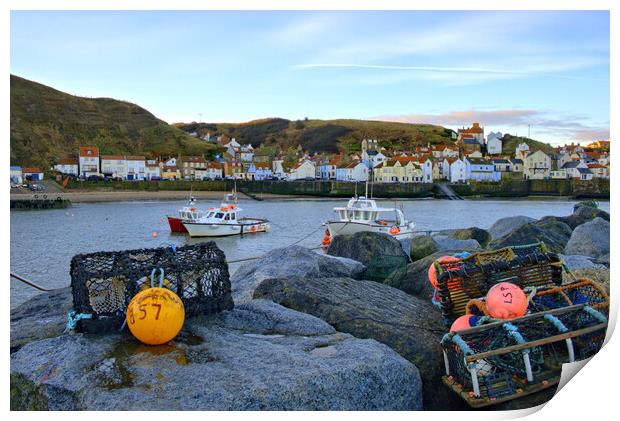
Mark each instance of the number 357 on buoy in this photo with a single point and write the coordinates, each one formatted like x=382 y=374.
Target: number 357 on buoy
x=155 y=316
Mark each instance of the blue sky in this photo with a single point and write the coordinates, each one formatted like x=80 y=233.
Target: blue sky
x=504 y=69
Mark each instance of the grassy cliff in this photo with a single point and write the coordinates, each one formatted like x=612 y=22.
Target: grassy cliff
x=47 y=125
x=325 y=135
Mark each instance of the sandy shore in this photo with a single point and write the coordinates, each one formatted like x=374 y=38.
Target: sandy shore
x=120 y=196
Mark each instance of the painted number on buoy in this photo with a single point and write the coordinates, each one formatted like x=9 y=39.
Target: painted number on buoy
x=142 y=311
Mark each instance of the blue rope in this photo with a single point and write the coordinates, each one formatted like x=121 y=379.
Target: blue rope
x=462 y=344
x=161 y=277
x=514 y=332
x=556 y=322
x=462 y=255
x=73 y=318
x=596 y=314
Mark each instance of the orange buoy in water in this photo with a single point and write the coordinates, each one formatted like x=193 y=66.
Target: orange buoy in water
x=432 y=275
x=327 y=239
x=253 y=228
x=506 y=301
x=155 y=316
x=154 y=234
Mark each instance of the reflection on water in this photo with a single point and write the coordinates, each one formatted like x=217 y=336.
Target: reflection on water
x=43 y=242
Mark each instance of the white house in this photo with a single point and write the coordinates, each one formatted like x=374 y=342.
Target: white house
x=152 y=170
x=303 y=169
x=494 y=143
x=32 y=173
x=215 y=170
x=136 y=167
x=572 y=168
x=558 y=174
x=247 y=153
x=278 y=168
x=585 y=174
x=89 y=161
x=68 y=166
x=427 y=169
x=598 y=170
x=537 y=166
x=522 y=150
x=16 y=175
x=114 y=166
x=359 y=171
x=458 y=171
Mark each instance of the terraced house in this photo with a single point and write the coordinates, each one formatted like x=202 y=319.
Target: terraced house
x=192 y=167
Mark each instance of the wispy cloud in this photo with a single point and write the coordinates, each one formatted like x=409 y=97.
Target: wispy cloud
x=545 y=123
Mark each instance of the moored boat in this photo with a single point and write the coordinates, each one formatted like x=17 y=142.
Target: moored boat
x=225 y=221
x=187 y=213
x=362 y=214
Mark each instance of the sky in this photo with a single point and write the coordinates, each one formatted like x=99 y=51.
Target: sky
x=548 y=70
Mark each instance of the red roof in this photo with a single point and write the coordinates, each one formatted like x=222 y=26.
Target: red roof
x=113 y=157
x=68 y=161
x=215 y=165
x=134 y=158
x=89 y=151
x=30 y=170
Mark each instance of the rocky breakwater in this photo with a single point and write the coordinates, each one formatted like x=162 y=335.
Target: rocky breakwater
x=258 y=356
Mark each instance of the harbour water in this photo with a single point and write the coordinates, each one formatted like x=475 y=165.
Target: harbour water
x=43 y=242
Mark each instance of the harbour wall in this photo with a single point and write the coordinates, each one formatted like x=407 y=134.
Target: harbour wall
x=597 y=188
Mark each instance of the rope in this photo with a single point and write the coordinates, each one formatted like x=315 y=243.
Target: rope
x=596 y=314
x=514 y=332
x=73 y=318
x=32 y=284
x=556 y=322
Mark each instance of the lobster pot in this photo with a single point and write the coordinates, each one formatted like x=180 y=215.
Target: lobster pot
x=504 y=360
x=469 y=278
x=104 y=283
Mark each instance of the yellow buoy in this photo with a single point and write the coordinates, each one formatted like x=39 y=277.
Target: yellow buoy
x=155 y=316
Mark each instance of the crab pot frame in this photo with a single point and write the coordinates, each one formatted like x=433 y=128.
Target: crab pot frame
x=503 y=360
x=469 y=278
x=104 y=283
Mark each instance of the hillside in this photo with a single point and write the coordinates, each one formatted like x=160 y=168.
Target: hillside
x=325 y=135
x=47 y=125
x=510 y=143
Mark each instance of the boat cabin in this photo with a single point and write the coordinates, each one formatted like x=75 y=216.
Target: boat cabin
x=224 y=214
x=366 y=211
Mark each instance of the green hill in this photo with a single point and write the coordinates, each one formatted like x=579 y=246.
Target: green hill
x=325 y=135
x=47 y=125
x=510 y=143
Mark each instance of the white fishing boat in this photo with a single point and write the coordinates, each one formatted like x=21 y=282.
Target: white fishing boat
x=225 y=221
x=188 y=213
x=362 y=214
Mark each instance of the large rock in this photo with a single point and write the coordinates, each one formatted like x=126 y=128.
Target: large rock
x=43 y=316
x=259 y=356
x=481 y=236
x=505 y=226
x=422 y=246
x=365 y=246
x=573 y=262
x=590 y=239
x=584 y=214
x=554 y=234
x=367 y=309
x=445 y=242
x=290 y=261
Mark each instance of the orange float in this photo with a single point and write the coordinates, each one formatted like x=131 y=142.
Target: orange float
x=506 y=301
x=432 y=275
x=394 y=230
x=464 y=322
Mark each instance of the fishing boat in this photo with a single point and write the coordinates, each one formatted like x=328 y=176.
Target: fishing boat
x=187 y=213
x=225 y=221
x=362 y=214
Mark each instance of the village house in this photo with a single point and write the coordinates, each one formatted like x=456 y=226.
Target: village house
x=277 y=167
x=170 y=172
x=537 y=166
x=427 y=169
x=215 y=171
x=152 y=170
x=68 y=166
x=135 y=167
x=494 y=143
x=114 y=166
x=458 y=170
x=259 y=171
x=246 y=153
x=32 y=173
x=479 y=169
x=522 y=150
x=598 y=170
x=388 y=171
x=475 y=131
x=559 y=174
x=302 y=170
x=502 y=165
x=89 y=161
x=585 y=174
x=189 y=166
x=16 y=175
x=572 y=168
x=516 y=165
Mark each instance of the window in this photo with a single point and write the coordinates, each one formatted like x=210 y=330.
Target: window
x=227 y=217
x=219 y=215
x=233 y=216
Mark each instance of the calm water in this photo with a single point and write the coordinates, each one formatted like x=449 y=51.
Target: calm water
x=43 y=242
